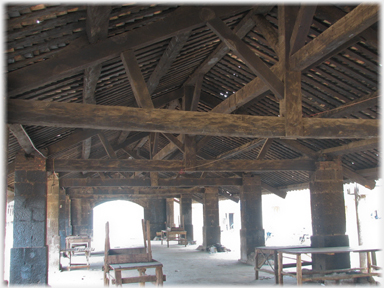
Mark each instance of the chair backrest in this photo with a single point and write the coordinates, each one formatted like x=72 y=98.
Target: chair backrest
x=128 y=255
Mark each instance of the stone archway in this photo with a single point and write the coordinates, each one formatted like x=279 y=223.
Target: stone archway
x=124 y=218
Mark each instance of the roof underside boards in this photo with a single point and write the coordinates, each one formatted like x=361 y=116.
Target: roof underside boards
x=190 y=58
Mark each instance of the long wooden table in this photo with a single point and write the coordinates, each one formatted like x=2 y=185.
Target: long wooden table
x=336 y=274
x=172 y=235
x=264 y=254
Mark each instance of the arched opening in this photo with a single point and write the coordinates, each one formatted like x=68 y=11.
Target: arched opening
x=124 y=219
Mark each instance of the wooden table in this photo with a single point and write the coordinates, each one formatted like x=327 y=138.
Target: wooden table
x=336 y=274
x=71 y=252
x=118 y=280
x=172 y=235
x=77 y=241
x=267 y=253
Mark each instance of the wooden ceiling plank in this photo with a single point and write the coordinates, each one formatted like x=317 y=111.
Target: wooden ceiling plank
x=247 y=55
x=72 y=61
x=117 y=165
x=75 y=115
x=352 y=24
x=302 y=24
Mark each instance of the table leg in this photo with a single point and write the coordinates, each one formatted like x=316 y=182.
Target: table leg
x=256 y=265
x=369 y=263
x=299 y=272
x=280 y=267
x=141 y=273
x=276 y=266
x=162 y=236
x=159 y=276
x=118 y=278
x=167 y=240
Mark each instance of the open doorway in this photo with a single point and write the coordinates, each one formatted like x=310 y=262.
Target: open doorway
x=124 y=219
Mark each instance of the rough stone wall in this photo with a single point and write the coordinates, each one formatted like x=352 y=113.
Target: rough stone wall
x=155 y=212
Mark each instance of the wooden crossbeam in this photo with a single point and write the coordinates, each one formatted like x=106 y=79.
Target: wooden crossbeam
x=183 y=19
x=352 y=24
x=116 y=165
x=166 y=60
x=77 y=115
x=248 y=56
x=179 y=182
x=22 y=137
x=352 y=147
x=302 y=24
x=367 y=101
x=268 y=31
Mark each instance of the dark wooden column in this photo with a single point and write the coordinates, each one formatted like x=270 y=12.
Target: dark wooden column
x=53 y=237
x=170 y=211
x=251 y=232
x=29 y=255
x=81 y=217
x=155 y=212
x=211 y=228
x=186 y=213
x=328 y=214
x=65 y=225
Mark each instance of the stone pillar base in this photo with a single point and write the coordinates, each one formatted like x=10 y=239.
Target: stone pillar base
x=211 y=236
x=189 y=229
x=249 y=239
x=329 y=262
x=29 y=266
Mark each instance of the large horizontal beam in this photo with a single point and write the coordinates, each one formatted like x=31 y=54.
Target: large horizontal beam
x=115 y=165
x=75 y=115
x=182 y=20
x=180 y=182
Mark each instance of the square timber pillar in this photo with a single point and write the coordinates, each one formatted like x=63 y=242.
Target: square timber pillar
x=170 y=211
x=328 y=214
x=251 y=232
x=211 y=227
x=155 y=212
x=186 y=213
x=53 y=237
x=29 y=255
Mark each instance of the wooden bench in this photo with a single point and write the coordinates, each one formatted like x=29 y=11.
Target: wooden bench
x=138 y=258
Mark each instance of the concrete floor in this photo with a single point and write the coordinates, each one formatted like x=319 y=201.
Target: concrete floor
x=183 y=266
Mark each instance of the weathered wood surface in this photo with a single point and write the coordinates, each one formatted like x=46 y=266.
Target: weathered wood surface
x=188 y=122
x=182 y=20
x=248 y=56
x=352 y=147
x=109 y=165
x=22 y=137
x=179 y=182
x=352 y=24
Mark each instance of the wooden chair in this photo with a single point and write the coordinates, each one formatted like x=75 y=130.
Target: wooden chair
x=140 y=258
